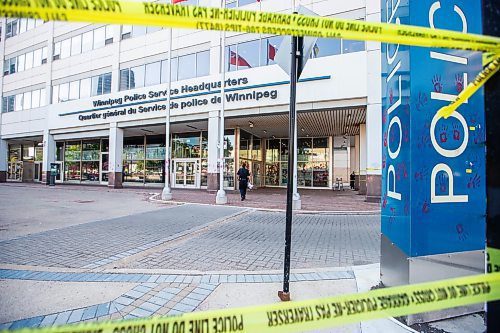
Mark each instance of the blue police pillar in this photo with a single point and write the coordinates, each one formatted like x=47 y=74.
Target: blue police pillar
x=433 y=180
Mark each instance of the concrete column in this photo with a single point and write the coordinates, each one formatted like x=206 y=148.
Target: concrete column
x=49 y=156
x=115 y=156
x=213 y=139
x=373 y=111
x=4 y=153
x=362 y=159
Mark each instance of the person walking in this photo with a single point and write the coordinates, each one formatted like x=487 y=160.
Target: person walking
x=243 y=176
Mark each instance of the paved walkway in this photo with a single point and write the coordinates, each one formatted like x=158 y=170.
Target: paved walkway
x=75 y=254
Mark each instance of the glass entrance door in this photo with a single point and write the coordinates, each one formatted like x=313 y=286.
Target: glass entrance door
x=38 y=172
x=186 y=173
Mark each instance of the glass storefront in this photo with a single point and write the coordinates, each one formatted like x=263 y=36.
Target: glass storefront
x=229 y=155
x=25 y=162
x=144 y=159
x=250 y=153
x=313 y=155
x=82 y=160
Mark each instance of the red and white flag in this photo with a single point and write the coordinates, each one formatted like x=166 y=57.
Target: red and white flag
x=235 y=59
x=177 y=1
x=271 y=51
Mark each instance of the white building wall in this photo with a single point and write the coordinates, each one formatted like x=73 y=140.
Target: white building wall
x=346 y=86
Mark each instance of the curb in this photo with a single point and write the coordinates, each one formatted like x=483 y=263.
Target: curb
x=154 y=198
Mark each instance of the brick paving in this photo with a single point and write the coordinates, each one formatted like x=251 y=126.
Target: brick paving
x=255 y=241
x=154 y=294
x=91 y=245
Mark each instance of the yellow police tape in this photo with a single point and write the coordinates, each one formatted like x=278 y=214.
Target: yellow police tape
x=311 y=314
x=493 y=260
x=490 y=69
x=213 y=18
x=224 y=19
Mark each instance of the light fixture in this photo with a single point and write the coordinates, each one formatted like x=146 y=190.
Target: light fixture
x=250 y=124
x=302 y=129
x=265 y=132
x=273 y=137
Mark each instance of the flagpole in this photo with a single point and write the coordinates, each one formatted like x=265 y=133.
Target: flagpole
x=167 y=192
x=221 y=198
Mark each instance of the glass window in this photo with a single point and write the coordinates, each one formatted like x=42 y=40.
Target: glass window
x=57 y=50
x=325 y=47
x=174 y=64
x=284 y=149
x=55 y=94
x=90 y=150
x=138 y=30
x=20 y=62
x=152 y=29
x=29 y=60
x=87 y=41
x=268 y=49
x=72 y=151
x=63 y=92
x=229 y=143
x=153 y=72
x=35 y=99
x=85 y=87
x=320 y=149
x=164 y=71
x=37 y=58
x=245 y=2
x=203 y=63
x=107 y=83
x=124 y=79
x=14 y=27
x=23 y=25
x=96 y=86
x=31 y=24
x=349 y=46
x=74 y=89
x=5 y=104
x=44 y=54
x=136 y=77
x=27 y=100
x=76 y=45
x=109 y=34
x=247 y=55
x=65 y=48
x=43 y=97
x=126 y=31
x=19 y=102
x=230 y=58
x=99 y=37
x=12 y=103
x=13 y=65
x=187 y=67
x=6 y=67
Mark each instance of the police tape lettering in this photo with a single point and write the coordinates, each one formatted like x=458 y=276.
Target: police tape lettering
x=310 y=314
x=168 y=15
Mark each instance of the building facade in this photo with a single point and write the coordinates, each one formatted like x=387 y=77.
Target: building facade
x=92 y=102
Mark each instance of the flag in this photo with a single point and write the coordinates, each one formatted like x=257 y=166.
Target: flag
x=177 y=1
x=235 y=59
x=271 y=51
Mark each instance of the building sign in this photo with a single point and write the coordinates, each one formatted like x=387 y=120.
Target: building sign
x=433 y=182
x=181 y=98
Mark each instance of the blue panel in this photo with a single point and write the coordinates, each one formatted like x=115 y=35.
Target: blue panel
x=396 y=146
x=441 y=225
x=441 y=218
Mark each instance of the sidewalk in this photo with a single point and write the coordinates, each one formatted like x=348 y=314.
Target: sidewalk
x=130 y=294
x=313 y=200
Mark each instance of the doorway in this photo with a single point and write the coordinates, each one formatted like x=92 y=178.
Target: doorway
x=38 y=171
x=186 y=174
